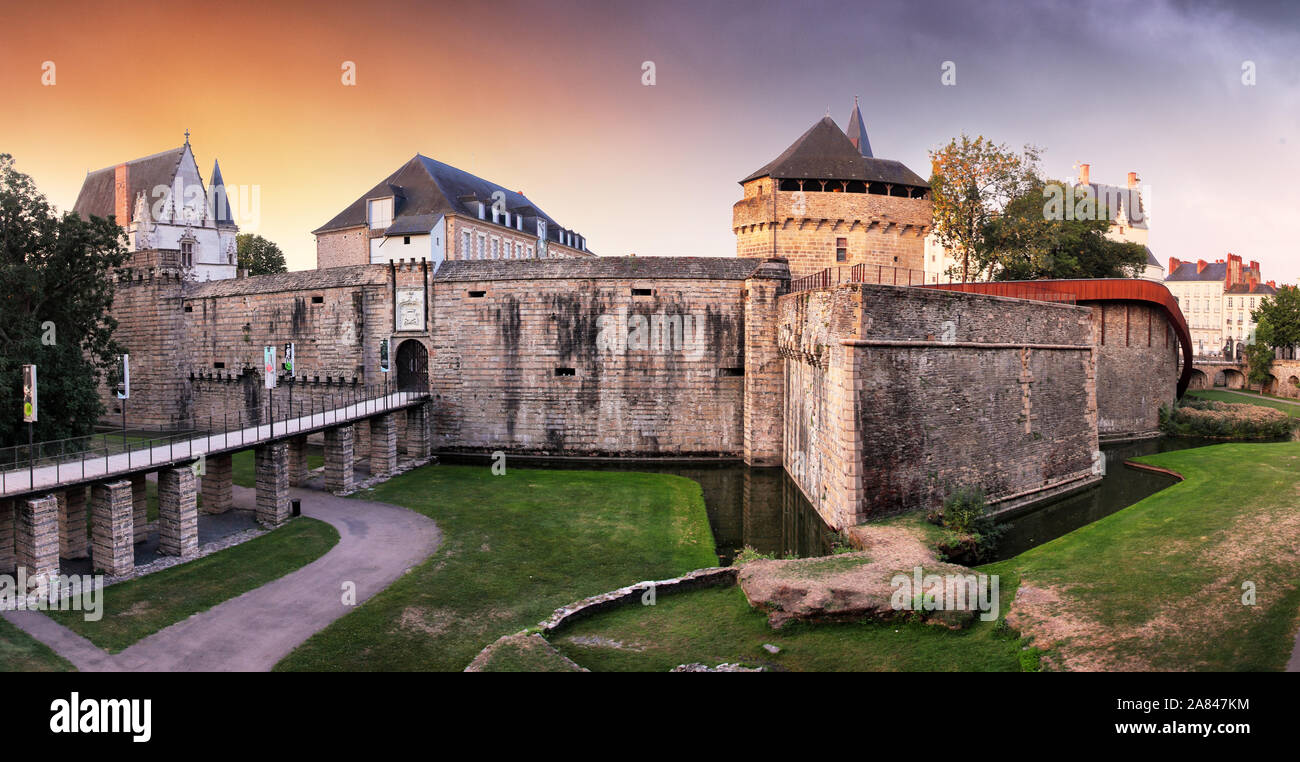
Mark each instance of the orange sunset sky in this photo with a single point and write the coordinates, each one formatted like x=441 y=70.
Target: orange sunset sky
x=548 y=99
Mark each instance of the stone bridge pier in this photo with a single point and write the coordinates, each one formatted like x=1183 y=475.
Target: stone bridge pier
x=38 y=530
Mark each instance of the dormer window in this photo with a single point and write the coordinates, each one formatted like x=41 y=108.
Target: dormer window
x=381 y=213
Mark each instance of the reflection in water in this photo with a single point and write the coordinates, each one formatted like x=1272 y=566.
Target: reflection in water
x=758 y=507
x=763 y=508
x=1121 y=487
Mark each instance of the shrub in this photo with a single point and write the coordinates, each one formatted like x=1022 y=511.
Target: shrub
x=1224 y=420
x=971 y=533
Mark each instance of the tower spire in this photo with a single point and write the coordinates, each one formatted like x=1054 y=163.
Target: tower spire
x=857 y=131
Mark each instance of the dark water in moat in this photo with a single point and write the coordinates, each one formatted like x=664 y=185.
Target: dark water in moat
x=763 y=508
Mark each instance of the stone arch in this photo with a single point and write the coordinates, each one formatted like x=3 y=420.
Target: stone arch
x=1234 y=379
x=412 y=360
x=1292 y=388
x=1199 y=380
x=1270 y=385
x=1220 y=379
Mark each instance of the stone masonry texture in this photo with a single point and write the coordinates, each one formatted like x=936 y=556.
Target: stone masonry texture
x=178 y=516
x=383 y=445
x=218 y=472
x=895 y=397
x=73 y=540
x=272 y=484
x=113 y=549
x=140 y=507
x=339 y=459
x=36 y=536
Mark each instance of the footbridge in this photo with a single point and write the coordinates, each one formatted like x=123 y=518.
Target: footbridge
x=46 y=488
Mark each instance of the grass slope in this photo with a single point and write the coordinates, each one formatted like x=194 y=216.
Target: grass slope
x=515 y=547
x=20 y=652
x=1159 y=585
x=141 y=607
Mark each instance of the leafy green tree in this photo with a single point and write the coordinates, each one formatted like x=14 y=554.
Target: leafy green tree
x=1026 y=242
x=259 y=256
x=1281 y=313
x=54 y=313
x=1259 y=355
x=972 y=181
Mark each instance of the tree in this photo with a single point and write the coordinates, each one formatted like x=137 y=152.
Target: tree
x=973 y=180
x=55 y=309
x=1280 y=312
x=259 y=256
x=1025 y=241
x=1259 y=355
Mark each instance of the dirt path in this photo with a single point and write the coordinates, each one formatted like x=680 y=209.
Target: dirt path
x=378 y=542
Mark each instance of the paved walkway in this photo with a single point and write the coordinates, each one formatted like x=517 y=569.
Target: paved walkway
x=378 y=542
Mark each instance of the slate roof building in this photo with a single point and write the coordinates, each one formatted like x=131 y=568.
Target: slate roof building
x=170 y=216
x=430 y=210
x=1217 y=299
x=1131 y=222
x=827 y=201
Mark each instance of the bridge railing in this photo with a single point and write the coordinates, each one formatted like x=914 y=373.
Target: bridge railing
x=886 y=275
x=105 y=454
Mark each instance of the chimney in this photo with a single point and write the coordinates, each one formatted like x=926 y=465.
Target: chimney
x=1272 y=284
x=122 y=194
x=1254 y=265
x=1173 y=264
x=1132 y=180
x=1201 y=264
x=1083 y=174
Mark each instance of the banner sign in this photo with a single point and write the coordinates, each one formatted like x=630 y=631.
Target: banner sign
x=29 y=393
x=383 y=355
x=289 y=357
x=268 y=363
x=122 y=381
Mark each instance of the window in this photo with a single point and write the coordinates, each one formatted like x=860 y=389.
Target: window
x=318 y=300
x=406 y=240
x=496 y=248
x=466 y=247
x=381 y=213
x=187 y=253
x=477 y=294
x=643 y=292
x=565 y=372
x=731 y=371
x=482 y=246
x=841 y=249
x=519 y=251
x=530 y=252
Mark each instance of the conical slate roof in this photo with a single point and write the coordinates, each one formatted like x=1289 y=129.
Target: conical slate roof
x=221 y=202
x=857 y=131
x=824 y=152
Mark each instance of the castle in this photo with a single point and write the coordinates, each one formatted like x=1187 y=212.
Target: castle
x=875 y=399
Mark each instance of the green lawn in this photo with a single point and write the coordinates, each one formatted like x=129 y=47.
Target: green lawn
x=514 y=548
x=715 y=626
x=141 y=607
x=1159 y=585
x=20 y=652
x=1218 y=395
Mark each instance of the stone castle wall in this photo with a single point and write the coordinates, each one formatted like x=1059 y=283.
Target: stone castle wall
x=896 y=396
x=611 y=356
x=1137 y=363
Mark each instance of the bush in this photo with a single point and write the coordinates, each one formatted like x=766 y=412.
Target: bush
x=1224 y=420
x=971 y=533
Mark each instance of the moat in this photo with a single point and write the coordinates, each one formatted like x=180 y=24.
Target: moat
x=762 y=508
